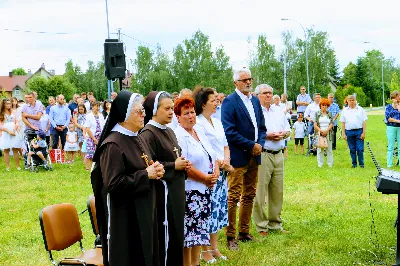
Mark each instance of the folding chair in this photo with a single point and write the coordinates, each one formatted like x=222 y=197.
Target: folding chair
x=93 y=219
x=61 y=229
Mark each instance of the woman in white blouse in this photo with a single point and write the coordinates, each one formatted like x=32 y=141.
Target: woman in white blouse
x=94 y=124
x=206 y=104
x=201 y=178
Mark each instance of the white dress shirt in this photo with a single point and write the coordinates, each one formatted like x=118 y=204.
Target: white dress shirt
x=91 y=122
x=215 y=134
x=311 y=110
x=197 y=153
x=249 y=106
x=275 y=121
x=353 y=117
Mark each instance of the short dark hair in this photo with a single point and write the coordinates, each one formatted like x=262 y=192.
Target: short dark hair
x=182 y=103
x=200 y=96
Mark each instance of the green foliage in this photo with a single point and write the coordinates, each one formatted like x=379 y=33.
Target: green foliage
x=19 y=72
x=3 y=94
x=395 y=83
x=350 y=75
x=342 y=92
x=193 y=63
x=51 y=87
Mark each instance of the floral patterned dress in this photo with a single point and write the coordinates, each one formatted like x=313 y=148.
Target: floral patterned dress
x=90 y=146
x=81 y=121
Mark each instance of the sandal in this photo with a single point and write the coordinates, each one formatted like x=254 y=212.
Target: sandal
x=222 y=257
x=213 y=260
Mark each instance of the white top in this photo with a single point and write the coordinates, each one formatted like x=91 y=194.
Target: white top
x=324 y=122
x=215 y=134
x=122 y=130
x=275 y=121
x=174 y=123
x=197 y=153
x=44 y=121
x=311 y=110
x=91 y=122
x=156 y=124
x=299 y=128
x=72 y=136
x=87 y=105
x=353 y=118
x=249 y=106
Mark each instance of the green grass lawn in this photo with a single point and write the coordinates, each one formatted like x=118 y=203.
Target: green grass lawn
x=327 y=210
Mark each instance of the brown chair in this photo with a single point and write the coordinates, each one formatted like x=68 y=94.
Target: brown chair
x=61 y=229
x=91 y=206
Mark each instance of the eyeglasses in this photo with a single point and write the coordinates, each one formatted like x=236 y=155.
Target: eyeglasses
x=140 y=111
x=245 y=80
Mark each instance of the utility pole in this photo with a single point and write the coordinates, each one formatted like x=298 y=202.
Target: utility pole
x=108 y=34
x=284 y=74
x=119 y=34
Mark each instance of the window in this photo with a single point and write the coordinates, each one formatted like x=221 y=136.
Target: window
x=16 y=93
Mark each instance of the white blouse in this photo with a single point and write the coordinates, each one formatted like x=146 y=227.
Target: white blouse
x=197 y=153
x=215 y=134
x=91 y=122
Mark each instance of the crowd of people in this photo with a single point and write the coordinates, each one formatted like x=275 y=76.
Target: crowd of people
x=169 y=171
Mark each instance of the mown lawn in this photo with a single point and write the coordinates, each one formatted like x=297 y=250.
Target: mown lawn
x=327 y=210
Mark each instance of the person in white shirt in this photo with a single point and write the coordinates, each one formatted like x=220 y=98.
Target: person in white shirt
x=271 y=170
x=309 y=115
x=299 y=133
x=353 y=130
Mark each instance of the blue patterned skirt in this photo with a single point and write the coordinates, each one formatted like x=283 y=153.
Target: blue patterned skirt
x=197 y=218
x=219 y=204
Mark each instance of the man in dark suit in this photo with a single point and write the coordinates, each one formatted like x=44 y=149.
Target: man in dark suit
x=245 y=131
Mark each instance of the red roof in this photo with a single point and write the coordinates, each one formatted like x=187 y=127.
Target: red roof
x=9 y=83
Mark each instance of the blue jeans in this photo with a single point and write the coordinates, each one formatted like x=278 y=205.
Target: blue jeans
x=392 y=134
x=356 y=146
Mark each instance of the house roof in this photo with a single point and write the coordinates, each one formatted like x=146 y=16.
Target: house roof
x=9 y=83
x=39 y=71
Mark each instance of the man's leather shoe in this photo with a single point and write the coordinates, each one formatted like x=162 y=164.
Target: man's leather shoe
x=263 y=233
x=232 y=245
x=245 y=238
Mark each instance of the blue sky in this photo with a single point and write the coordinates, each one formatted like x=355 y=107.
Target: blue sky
x=229 y=23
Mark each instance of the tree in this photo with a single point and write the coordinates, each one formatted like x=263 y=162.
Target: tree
x=264 y=66
x=394 y=84
x=19 y=72
x=349 y=75
x=51 y=87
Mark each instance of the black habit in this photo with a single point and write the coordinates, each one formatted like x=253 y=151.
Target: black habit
x=132 y=202
x=164 y=147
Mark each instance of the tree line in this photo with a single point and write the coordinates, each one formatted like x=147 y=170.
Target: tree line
x=193 y=62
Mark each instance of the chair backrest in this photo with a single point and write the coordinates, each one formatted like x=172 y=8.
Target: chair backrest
x=91 y=206
x=60 y=226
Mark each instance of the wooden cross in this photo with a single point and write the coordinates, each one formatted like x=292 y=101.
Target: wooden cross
x=144 y=157
x=176 y=151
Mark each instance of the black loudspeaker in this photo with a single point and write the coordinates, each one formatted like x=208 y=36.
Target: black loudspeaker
x=114 y=59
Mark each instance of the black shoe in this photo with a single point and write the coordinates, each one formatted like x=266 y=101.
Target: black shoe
x=245 y=237
x=362 y=166
x=354 y=166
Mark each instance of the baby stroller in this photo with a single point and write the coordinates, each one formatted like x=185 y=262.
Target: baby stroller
x=35 y=161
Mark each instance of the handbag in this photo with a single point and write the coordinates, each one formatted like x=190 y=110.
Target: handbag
x=322 y=142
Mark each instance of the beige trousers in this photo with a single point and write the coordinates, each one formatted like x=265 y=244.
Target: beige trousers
x=270 y=191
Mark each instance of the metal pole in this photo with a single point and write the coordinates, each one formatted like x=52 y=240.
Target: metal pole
x=306 y=40
x=108 y=34
x=284 y=75
x=383 y=89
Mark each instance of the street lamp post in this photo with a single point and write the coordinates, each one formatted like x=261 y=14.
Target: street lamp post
x=108 y=34
x=383 y=84
x=306 y=40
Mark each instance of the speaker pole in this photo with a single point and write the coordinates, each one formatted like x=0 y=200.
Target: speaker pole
x=120 y=84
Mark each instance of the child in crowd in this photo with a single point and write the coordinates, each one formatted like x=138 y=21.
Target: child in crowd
x=39 y=146
x=299 y=133
x=71 y=144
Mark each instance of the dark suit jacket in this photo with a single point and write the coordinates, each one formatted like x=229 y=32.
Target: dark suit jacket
x=239 y=129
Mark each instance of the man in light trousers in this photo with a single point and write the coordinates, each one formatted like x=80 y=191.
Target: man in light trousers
x=271 y=170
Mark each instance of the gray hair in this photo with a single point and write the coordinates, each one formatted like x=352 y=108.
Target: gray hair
x=163 y=95
x=276 y=96
x=261 y=86
x=183 y=91
x=351 y=96
x=236 y=75
x=331 y=94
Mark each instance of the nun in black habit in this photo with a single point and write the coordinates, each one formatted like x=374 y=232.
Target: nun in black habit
x=123 y=183
x=170 y=189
